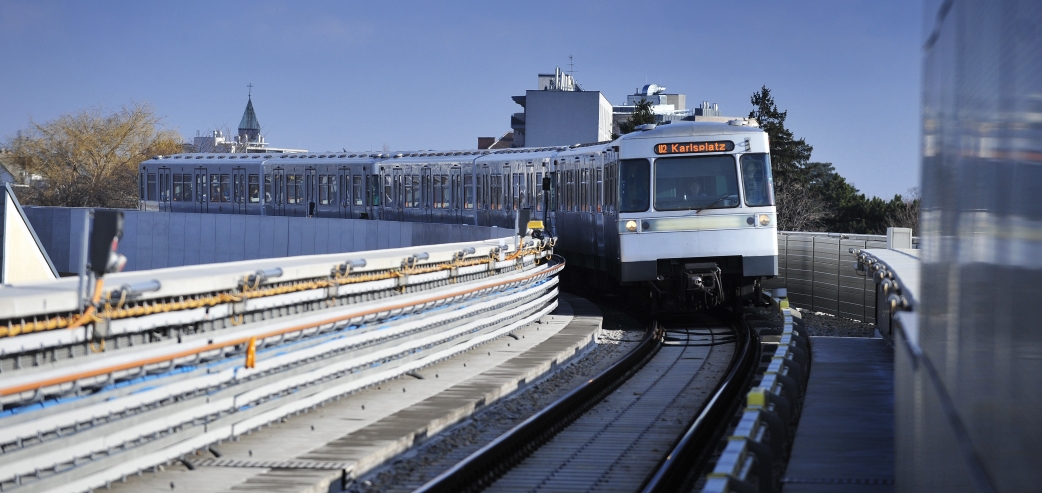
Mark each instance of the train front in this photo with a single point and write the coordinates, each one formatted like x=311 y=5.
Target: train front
x=697 y=222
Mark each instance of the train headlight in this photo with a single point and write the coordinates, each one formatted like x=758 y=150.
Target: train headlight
x=631 y=226
x=765 y=220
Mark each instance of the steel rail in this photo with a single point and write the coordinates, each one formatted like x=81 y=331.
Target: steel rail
x=72 y=377
x=679 y=468
x=484 y=466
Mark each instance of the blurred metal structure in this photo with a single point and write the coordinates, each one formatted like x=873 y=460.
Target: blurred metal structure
x=969 y=381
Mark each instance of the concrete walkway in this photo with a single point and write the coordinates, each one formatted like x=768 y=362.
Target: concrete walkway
x=845 y=439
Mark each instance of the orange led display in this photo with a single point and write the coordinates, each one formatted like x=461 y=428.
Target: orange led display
x=694 y=147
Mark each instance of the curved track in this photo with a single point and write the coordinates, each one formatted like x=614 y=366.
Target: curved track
x=615 y=433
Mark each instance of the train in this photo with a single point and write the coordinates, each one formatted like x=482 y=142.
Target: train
x=682 y=213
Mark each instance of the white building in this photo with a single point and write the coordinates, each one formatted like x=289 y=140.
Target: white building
x=559 y=113
x=666 y=107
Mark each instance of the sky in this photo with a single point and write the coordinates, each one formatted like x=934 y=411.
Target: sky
x=331 y=75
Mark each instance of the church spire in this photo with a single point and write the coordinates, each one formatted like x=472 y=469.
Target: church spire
x=249 y=127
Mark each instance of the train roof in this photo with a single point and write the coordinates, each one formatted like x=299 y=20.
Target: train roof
x=692 y=129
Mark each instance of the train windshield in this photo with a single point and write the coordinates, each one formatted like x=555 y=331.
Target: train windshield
x=634 y=185
x=757 y=180
x=695 y=183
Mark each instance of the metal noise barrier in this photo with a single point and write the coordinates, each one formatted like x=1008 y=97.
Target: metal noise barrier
x=758 y=443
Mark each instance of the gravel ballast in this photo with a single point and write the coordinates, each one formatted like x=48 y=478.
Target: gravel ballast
x=823 y=324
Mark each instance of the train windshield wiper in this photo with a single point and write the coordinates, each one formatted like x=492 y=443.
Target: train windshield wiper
x=717 y=201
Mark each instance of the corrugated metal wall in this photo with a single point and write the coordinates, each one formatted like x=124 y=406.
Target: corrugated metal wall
x=820 y=275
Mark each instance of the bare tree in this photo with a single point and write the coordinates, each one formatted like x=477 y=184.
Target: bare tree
x=90 y=158
x=907 y=213
x=799 y=208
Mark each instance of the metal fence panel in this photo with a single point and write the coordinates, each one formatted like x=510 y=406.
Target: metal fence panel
x=820 y=274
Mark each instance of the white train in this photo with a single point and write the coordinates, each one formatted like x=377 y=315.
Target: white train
x=683 y=211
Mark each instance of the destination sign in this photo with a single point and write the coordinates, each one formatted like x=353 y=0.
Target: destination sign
x=694 y=147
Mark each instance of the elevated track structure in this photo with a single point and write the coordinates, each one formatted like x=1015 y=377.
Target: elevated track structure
x=166 y=362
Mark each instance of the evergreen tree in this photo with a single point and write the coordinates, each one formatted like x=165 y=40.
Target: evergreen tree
x=788 y=155
x=642 y=114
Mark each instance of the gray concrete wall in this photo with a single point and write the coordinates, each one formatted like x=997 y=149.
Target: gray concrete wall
x=152 y=240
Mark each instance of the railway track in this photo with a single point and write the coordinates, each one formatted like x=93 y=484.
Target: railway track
x=630 y=428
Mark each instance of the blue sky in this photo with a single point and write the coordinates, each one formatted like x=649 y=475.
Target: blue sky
x=436 y=75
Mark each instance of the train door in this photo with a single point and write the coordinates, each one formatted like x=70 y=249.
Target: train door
x=586 y=205
x=239 y=190
x=426 y=196
x=484 y=197
x=346 y=196
x=456 y=194
x=200 y=190
x=365 y=193
x=164 y=189
x=397 y=199
x=311 y=193
x=278 y=201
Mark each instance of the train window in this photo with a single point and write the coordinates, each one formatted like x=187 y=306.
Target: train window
x=417 y=197
x=538 y=195
x=598 y=184
x=267 y=189
x=446 y=191
x=215 y=188
x=695 y=182
x=496 y=187
x=332 y=188
x=388 y=190
x=141 y=192
x=226 y=189
x=238 y=179
x=517 y=191
x=468 y=191
x=299 y=188
x=634 y=185
x=164 y=185
x=439 y=194
x=254 y=186
x=178 y=187
x=151 y=186
x=323 y=189
x=356 y=185
x=409 y=192
x=200 y=186
x=291 y=189
x=757 y=180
